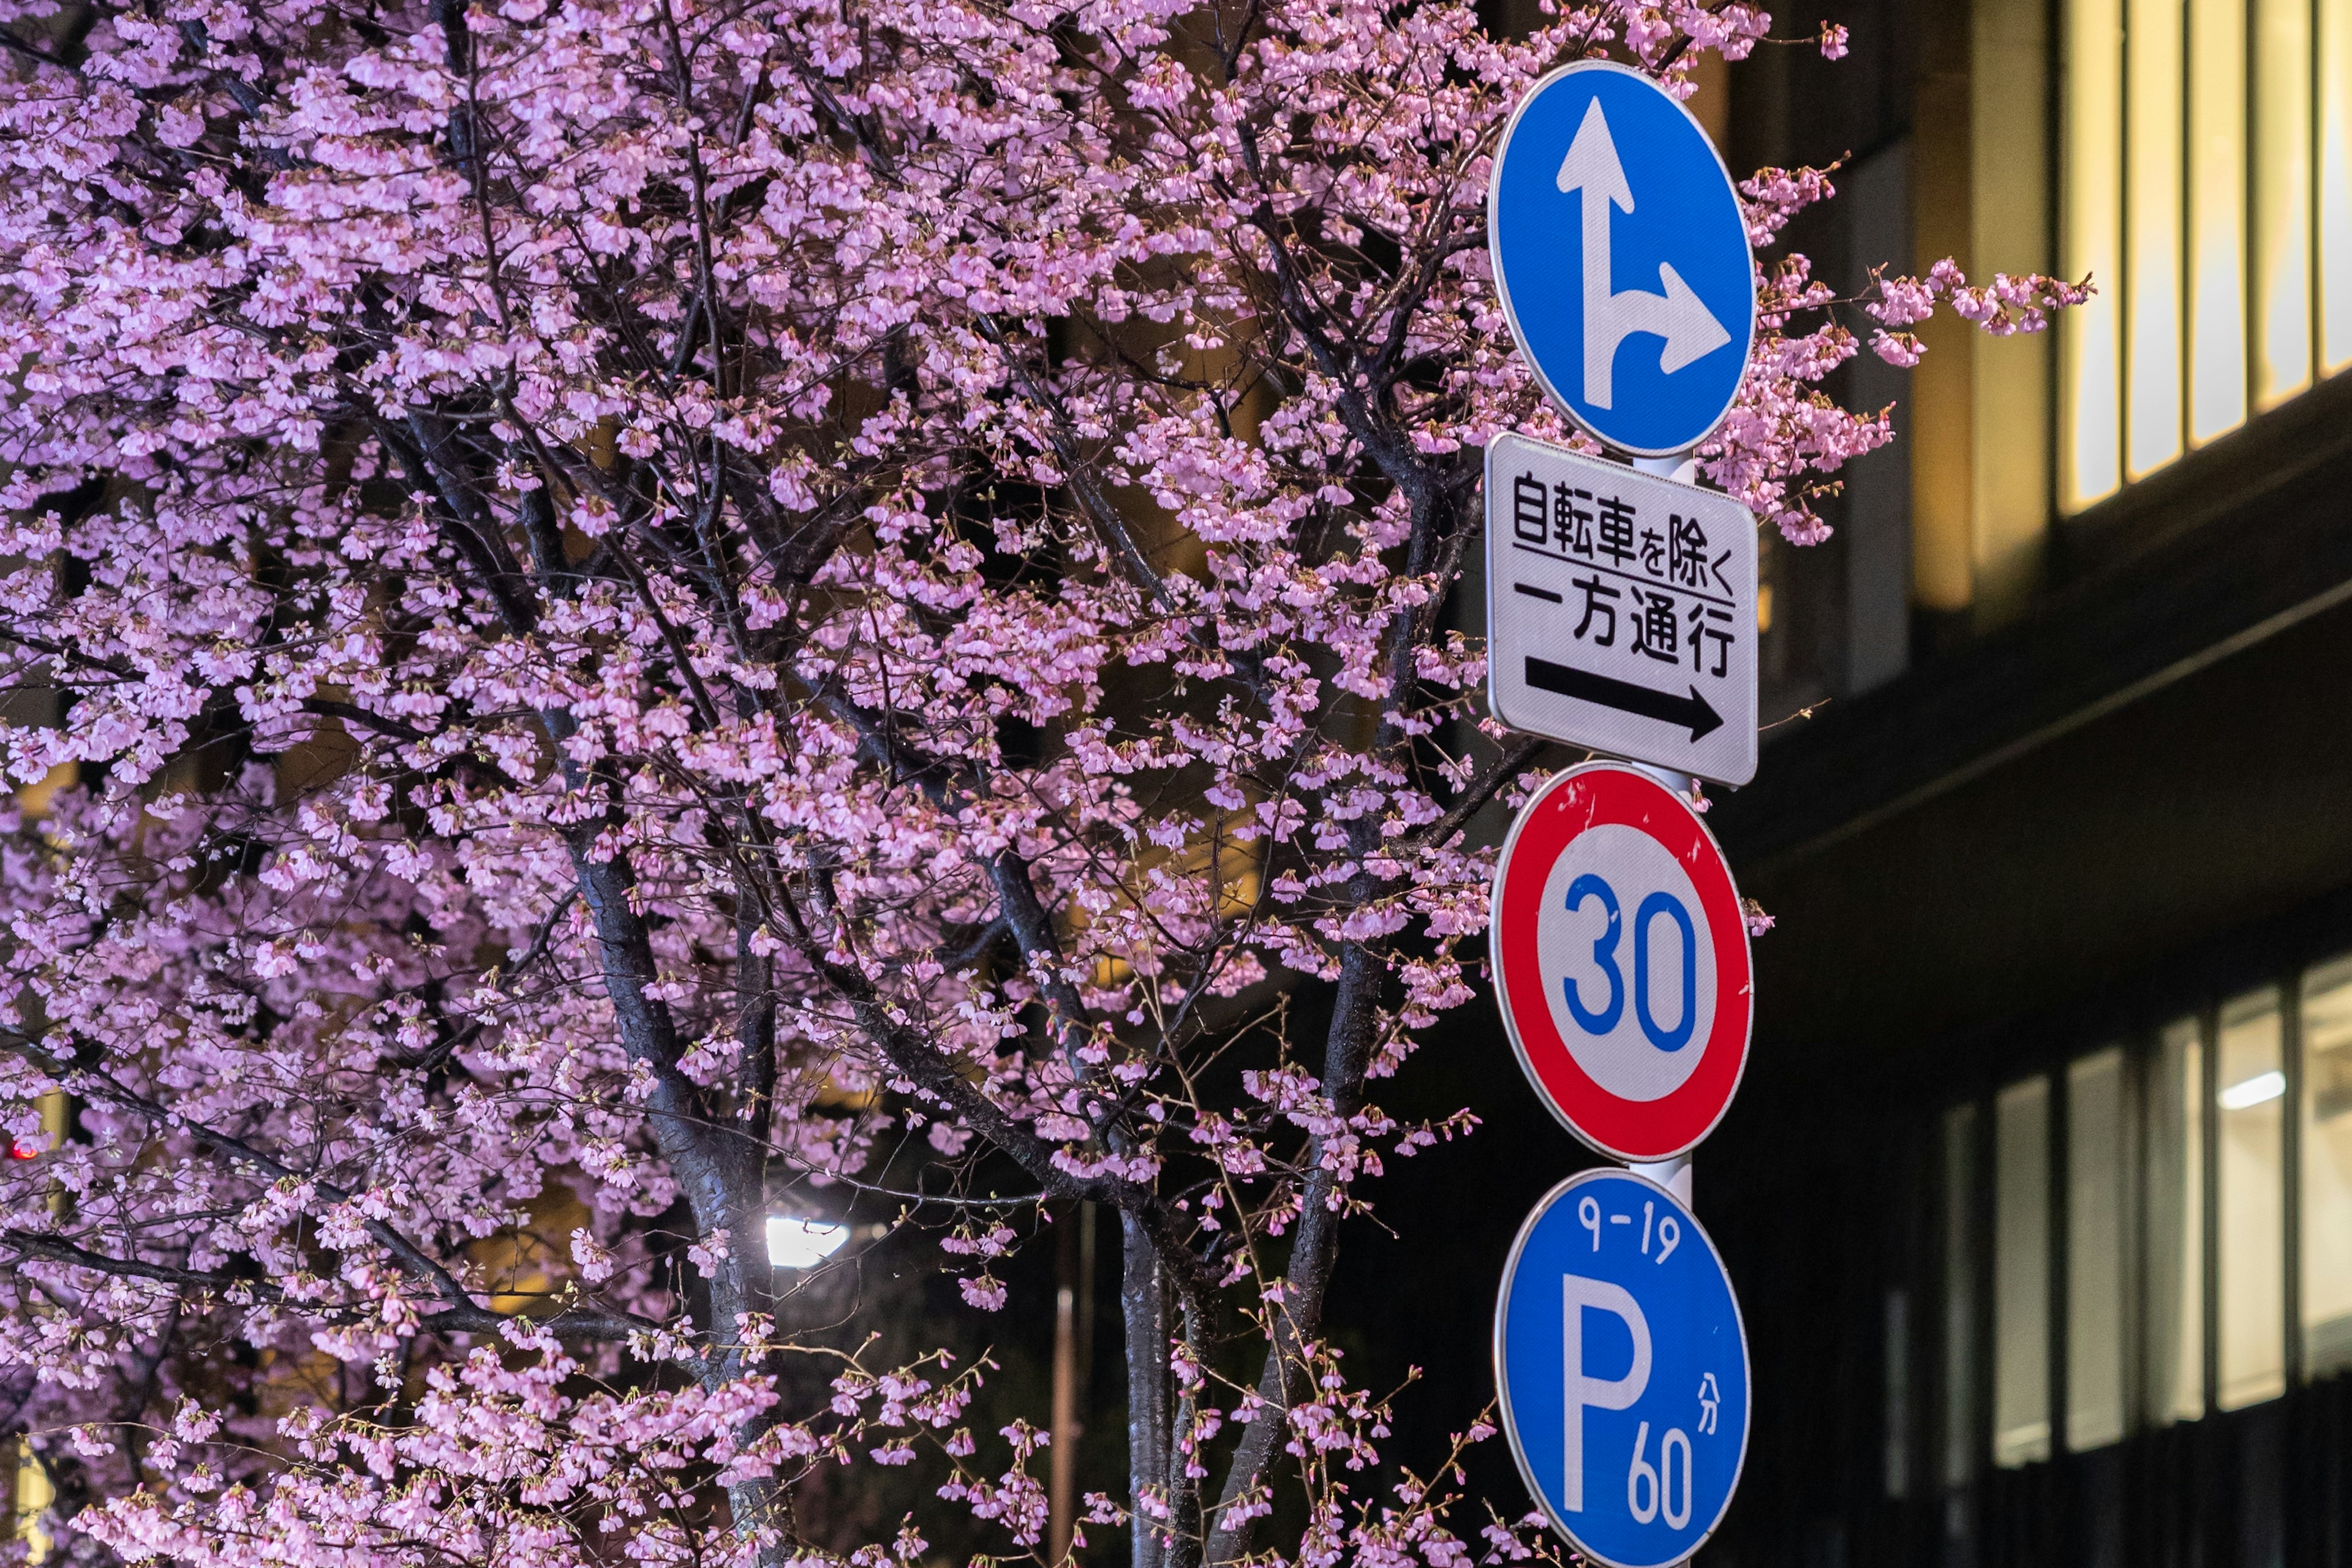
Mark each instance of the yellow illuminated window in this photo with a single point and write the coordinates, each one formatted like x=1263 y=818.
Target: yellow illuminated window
x=2249 y=1094
x=2152 y=196
x=2206 y=188
x=2282 y=165
x=2092 y=178
x=2335 y=184
x=2326 y=1114
x=2217 y=217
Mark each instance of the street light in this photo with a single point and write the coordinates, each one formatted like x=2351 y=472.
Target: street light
x=795 y=1242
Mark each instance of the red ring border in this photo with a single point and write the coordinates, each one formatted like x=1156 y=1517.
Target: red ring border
x=1592 y=796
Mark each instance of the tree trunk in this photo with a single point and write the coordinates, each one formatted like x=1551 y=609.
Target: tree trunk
x=1313 y=1248
x=1143 y=1299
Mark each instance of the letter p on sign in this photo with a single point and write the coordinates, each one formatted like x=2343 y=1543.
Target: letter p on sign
x=1582 y=1392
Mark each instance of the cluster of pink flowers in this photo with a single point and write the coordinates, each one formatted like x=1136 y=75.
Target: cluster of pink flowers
x=2006 y=306
x=639 y=612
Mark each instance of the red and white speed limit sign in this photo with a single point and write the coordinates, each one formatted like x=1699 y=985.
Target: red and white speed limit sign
x=1621 y=961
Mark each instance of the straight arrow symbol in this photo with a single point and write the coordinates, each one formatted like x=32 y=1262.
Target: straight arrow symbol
x=1689 y=327
x=1693 y=712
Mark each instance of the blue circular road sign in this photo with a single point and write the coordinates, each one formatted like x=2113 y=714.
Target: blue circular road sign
x=1623 y=1367
x=1621 y=257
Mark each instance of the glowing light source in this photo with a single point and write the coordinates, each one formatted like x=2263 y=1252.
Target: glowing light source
x=797 y=1243
x=2258 y=1089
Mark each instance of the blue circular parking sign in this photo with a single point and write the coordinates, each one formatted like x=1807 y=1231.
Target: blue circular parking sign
x=1621 y=254
x=1623 y=1367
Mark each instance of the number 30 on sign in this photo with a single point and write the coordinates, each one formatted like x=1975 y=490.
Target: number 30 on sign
x=1621 y=961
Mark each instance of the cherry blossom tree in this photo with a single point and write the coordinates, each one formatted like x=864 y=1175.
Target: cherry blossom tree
x=630 y=614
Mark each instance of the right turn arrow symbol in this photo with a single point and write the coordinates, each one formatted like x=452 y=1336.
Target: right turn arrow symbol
x=1688 y=327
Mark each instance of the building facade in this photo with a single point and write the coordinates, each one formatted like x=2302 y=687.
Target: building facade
x=2039 y=1192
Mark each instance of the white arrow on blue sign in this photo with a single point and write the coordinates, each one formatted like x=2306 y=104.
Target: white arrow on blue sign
x=1621 y=257
x=1623 y=1367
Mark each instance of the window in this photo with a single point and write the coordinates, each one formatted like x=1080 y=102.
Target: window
x=2152 y=196
x=2174 y=1218
x=2217 y=217
x=2250 y=1230
x=2091 y=240
x=2190 y=202
x=2021 y=1273
x=2157 y=1215
x=2334 y=168
x=2095 y=1250
x=2281 y=228
x=2326 y=1114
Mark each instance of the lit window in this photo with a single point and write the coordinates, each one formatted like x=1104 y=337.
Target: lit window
x=2326 y=1125
x=2091 y=175
x=2194 y=134
x=2217 y=217
x=2152 y=183
x=2095 y=1250
x=2174 y=1240
x=2249 y=1093
x=2282 y=165
x=2020 y=1274
x=2335 y=184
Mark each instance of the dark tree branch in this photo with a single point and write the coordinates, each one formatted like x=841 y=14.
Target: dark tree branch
x=467 y=1318
x=351 y=713
x=1472 y=800
x=412 y=1259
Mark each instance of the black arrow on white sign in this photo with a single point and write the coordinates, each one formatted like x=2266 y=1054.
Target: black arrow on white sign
x=1623 y=695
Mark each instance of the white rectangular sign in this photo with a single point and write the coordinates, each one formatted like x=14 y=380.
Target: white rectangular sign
x=1621 y=610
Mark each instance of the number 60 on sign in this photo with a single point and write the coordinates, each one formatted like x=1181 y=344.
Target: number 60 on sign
x=1623 y=1367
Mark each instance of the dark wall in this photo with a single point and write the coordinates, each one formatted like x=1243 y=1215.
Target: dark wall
x=2082 y=883
x=2092 y=884
x=1840 y=610
x=2212 y=803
